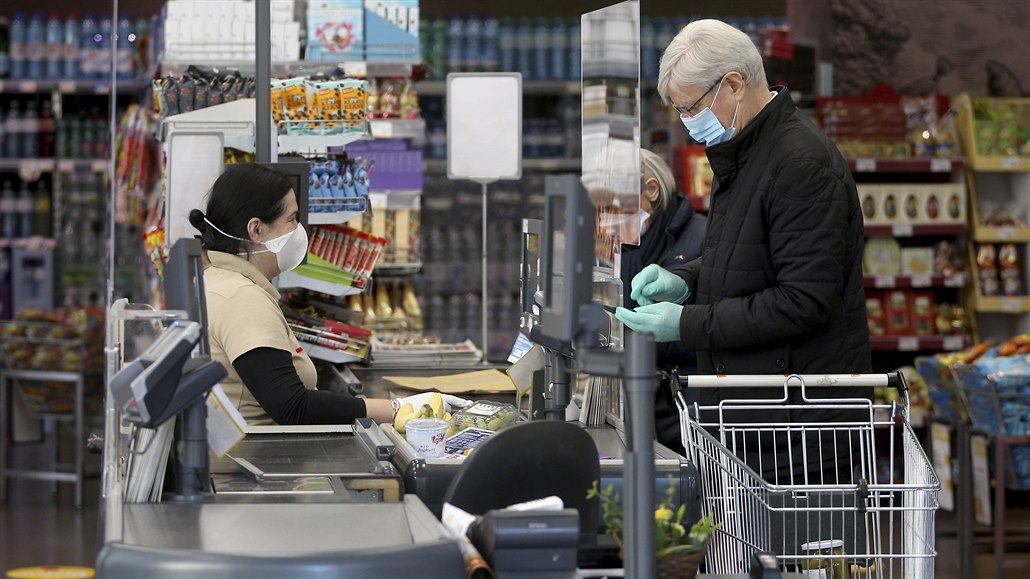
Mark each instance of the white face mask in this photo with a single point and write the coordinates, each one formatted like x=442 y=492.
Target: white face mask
x=289 y=249
x=643 y=216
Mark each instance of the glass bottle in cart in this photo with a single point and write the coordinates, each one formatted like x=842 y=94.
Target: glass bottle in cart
x=827 y=560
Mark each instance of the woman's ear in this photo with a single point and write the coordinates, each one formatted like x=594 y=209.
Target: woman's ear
x=651 y=189
x=254 y=229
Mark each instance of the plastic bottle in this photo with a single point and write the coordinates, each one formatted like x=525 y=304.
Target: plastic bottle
x=5 y=47
x=54 y=34
x=16 y=45
x=575 y=64
x=648 y=61
x=455 y=44
x=88 y=47
x=103 y=44
x=439 y=49
x=473 y=43
x=8 y=217
x=542 y=49
x=559 y=50
x=70 y=53
x=12 y=132
x=506 y=42
x=491 y=32
x=35 y=47
x=524 y=48
x=30 y=132
x=46 y=131
x=24 y=207
x=126 y=62
x=42 y=222
x=3 y=134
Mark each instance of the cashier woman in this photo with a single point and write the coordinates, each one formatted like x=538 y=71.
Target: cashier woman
x=251 y=235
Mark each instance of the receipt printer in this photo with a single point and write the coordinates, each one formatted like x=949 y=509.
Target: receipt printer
x=528 y=540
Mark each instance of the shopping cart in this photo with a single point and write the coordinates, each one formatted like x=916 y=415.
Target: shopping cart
x=847 y=490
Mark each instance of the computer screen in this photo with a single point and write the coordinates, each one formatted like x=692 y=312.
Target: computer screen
x=184 y=284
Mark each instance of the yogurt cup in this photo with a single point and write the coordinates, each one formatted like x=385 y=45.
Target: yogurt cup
x=426 y=436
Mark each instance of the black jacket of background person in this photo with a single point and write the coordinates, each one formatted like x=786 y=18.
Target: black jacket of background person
x=674 y=238
x=778 y=289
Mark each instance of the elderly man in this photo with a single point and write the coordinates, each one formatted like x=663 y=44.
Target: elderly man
x=778 y=288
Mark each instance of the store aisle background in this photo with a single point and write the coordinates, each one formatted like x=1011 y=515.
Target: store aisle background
x=38 y=529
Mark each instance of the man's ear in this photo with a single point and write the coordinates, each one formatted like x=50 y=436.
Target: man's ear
x=736 y=83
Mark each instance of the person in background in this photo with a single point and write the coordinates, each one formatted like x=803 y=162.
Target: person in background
x=250 y=232
x=671 y=235
x=778 y=288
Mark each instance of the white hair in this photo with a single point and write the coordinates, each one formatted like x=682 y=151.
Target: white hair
x=654 y=166
x=703 y=52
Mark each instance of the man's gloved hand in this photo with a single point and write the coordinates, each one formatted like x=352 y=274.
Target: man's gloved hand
x=656 y=284
x=661 y=319
x=417 y=400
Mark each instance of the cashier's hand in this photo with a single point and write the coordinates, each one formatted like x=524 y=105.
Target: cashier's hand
x=661 y=319
x=449 y=402
x=656 y=284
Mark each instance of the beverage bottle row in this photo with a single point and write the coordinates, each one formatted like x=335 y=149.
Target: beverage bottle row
x=35 y=47
x=28 y=131
x=26 y=212
x=541 y=48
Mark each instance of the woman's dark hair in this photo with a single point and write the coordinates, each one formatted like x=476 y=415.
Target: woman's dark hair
x=241 y=193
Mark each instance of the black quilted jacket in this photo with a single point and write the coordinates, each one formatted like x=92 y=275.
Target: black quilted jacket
x=778 y=288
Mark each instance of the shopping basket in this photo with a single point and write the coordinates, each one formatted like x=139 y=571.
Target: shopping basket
x=846 y=483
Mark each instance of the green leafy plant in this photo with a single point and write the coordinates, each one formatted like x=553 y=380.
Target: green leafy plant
x=670 y=535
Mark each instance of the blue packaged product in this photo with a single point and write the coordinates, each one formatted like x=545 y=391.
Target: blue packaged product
x=349 y=190
x=336 y=190
x=323 y=183
x=314 y=194
x=361 y=180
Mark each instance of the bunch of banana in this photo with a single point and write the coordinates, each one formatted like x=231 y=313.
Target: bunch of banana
x=433 y=409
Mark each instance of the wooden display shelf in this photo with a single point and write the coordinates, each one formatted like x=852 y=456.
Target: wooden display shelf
x=918 y=343
x=916 y=229
x=1001 y=234
x=915 y=281
x=1001 y=304
x=906 y=165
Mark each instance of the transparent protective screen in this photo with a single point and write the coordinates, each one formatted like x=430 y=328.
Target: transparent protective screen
x=611 y=123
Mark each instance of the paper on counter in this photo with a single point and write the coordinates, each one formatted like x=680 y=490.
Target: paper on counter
x=226 y=427
x=480 y=382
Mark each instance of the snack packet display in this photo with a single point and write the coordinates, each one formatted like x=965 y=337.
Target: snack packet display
x=295 y=104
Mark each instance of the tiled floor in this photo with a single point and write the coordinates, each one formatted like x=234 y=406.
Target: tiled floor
x=38 y=527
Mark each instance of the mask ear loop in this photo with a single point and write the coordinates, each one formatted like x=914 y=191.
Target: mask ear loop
x=249 y=253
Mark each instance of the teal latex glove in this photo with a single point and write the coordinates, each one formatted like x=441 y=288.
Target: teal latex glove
x=656 y=284
x=661 y=319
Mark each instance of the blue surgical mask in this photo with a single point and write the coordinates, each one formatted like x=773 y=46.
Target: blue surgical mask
x=704 y=127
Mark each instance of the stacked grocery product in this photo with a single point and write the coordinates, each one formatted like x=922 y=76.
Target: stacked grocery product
x=885 y=125
x=393 y=98
x=540 y=48
x=999 y=271
x=338 y=185
x=198 y=88
x=362 y=30
x=28 y=130
x=390 y=309
x=205 y=30
x=25 y=212
x=1002 y=128
x=70 y=48
x=308 y=107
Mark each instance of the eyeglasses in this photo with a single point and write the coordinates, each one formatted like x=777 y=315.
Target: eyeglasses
x=686 y=111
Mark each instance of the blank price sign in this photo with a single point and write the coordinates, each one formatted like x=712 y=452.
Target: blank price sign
x=484 y=126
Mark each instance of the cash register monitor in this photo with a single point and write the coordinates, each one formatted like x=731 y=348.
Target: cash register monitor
x=567 y=256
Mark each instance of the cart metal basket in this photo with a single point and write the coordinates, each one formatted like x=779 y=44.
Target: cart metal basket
x=835 y=469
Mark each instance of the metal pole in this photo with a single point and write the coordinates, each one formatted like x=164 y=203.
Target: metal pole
x=263 y=80
x=638 y=470
x=112 y=177
x=484 y=300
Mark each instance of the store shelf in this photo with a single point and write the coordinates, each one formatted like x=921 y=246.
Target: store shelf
x=543 y=164
x=298 y=279
x=397 y=269
x=43 y=86
x=29 y=243
x=33 y=166
x=315 y=143
x=398 y=128
x=335 y=218
x=1001 y=234
x=906 y=165
x=329 y=354
x=1000 y=164
x=918 y=343
x=916 y=229
x=915 y=281
x=353 y=69
x=529 y=87
x=1001 y=304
